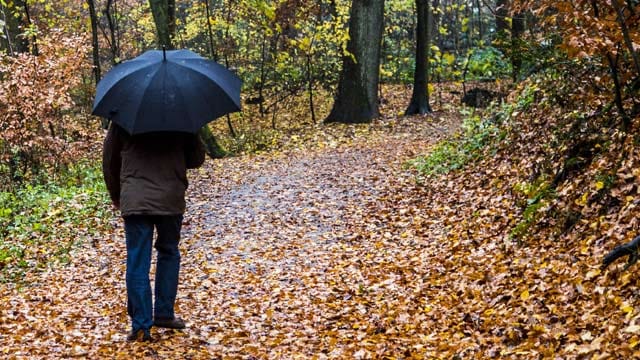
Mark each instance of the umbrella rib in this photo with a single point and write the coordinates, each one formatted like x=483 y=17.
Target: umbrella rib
x=150 y=77
x=179 y=93
x=122 y=81
x=200 y=91
x=118 y=80
x=218 y=81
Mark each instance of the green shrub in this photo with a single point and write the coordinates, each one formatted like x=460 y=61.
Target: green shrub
x=538 y=194
x=455 y=153
x=40 y=223
x=477 y=133
x=251 y=141
x=487 y=63
x=480 y=63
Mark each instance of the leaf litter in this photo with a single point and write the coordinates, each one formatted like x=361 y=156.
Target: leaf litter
x=272 y=265
x=330 y=249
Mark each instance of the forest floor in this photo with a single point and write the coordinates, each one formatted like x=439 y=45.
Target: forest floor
x=273 y=259
x=330 y=248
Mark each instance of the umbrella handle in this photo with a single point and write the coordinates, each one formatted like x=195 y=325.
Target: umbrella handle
x=164 y=52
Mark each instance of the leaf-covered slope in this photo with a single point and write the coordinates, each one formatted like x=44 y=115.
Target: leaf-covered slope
x=523 y=232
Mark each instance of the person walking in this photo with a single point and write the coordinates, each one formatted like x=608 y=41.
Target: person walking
x=146 y=176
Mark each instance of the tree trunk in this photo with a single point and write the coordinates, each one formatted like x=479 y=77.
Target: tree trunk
x=480 y=28
x=617 y=88
x=420 y=99
x=435 y=21
x=630 y=6
x=625 y=33
x=211 y=146
x=357 y=97
x=613 y=67
x=171 y=15
x=510 y=35
x=502 y=10
x=165 y=20
x=162 y=17
x=7 y=43
x=14 y=27
x=454 y=28
x=263 y=76
x=94 y=41
x=113 y=32
x=517 y=29
x=212 y=52
x=29 y=23
x=630 y=248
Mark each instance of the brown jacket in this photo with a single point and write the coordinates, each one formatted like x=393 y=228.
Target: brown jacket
x=147 y=174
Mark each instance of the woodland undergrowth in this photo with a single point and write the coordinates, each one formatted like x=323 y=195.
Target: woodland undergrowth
x=544 y=187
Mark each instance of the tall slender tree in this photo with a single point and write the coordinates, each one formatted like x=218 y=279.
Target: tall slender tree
x=113 y=39
x=212 y=51
x=480 y=27
x=6 y=41
x=34 y=40
x=517 y=30
x=501 y=13
x=94 y=40
x=613 y=66
x=419 y=103
x=622 y=21
x=510 y=31
x=357 y=96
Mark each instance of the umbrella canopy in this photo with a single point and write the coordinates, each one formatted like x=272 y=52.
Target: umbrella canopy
x=175 y=90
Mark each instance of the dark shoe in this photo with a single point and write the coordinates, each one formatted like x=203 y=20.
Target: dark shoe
x=175 y=323
x=139 y=335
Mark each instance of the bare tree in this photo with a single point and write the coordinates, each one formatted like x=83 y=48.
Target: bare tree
x=112 y=36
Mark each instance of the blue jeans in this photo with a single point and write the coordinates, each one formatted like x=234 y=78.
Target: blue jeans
x=139 y=235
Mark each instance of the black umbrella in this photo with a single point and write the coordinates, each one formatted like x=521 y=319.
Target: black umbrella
x=175 y=90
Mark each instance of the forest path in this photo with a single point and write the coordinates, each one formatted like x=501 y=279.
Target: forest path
x=283 y=255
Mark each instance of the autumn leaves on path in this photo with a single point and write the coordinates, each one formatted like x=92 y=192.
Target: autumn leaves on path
x=282 y=248
x=284 y=255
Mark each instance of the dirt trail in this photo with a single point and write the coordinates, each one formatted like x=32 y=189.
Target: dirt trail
x=271 y=265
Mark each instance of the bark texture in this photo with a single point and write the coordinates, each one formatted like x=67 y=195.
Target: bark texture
x=357 y=97
x=419 y=103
